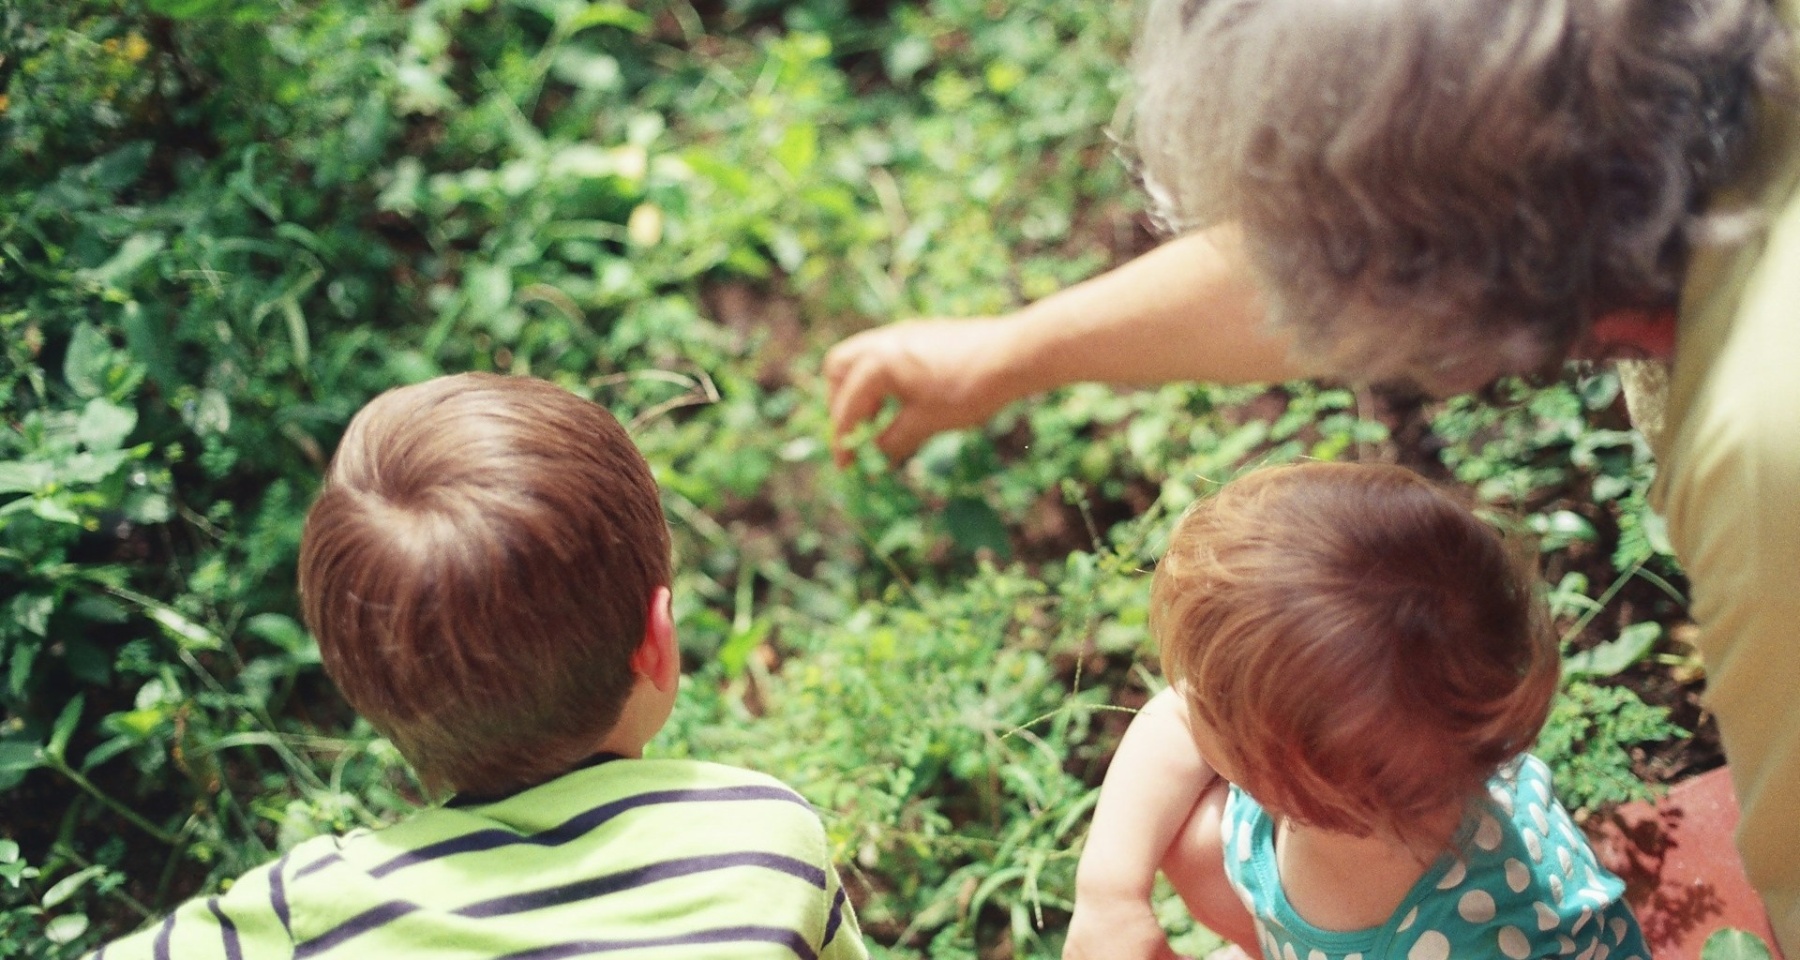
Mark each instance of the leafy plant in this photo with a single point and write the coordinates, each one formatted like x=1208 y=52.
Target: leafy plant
x=225 y=226
x=1731 y=943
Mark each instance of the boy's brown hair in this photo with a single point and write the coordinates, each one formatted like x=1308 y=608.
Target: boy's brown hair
x=478 y=569
x=1365 y=649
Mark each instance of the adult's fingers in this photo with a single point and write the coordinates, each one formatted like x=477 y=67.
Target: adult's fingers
x=856 y=396
x=905 y=435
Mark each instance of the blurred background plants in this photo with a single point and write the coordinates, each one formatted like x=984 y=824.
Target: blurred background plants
x=225 y=225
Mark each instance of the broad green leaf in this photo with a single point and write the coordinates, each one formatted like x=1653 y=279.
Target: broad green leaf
x=21 y=477
x=187 y=9
x=798 y=149
x=1734 y=944
x=975 y=525
x=32 y=612
x=66 y=928
x=89 y=468
x=135 y=725
x=1562 y=527
x=734 y=653
x=86 y=363
x=1614 y=656
x=279 y=629
x=137 y=250
x=210 y=412
x=18 y=666
x=55 y=512
x=589 y=161
x=489 y=288
x=108 y=750
x=152 y=343
x=105 y=425
x=122 y=167
x=189 y=635
x=68 y=886
x=907 y=56
x=586 y=70
x=148 y=508
x=18 y=758
x=64 y=729
x=610 y=15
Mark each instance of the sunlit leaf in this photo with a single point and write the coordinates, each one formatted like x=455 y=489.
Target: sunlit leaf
x=1734 y=944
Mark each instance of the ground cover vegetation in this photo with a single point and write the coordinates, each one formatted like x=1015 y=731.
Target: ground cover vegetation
x=225 y=225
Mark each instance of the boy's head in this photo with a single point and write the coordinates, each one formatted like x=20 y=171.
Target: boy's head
x=1363 y=648
x=484 y=569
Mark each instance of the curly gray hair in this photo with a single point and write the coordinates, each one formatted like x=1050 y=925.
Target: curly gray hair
x=1449 y=190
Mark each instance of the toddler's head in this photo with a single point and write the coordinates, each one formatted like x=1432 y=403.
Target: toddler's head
x=479 y=570
x=1363 y=649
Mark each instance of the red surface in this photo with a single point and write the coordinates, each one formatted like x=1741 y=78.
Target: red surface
x=1682 y=874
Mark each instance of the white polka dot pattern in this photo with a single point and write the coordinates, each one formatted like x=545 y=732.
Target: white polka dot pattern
x=1518 y=876
x=1514 y=943
x=1516 y=889
x=1431 y=945
x=1547 y=918
x=1487 y=835
x=1476 y=906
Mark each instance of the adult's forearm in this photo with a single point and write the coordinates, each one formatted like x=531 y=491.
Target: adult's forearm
x=1188 y=310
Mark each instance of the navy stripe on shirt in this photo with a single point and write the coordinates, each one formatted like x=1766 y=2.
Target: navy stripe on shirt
x=317 y=865
x=577 y=948
x=227 y=930
x=160 y=947
x=355 y=927
x=580 y=824
x=278 y=894
x=569 y=893
x=835 y=920
x=641 y=876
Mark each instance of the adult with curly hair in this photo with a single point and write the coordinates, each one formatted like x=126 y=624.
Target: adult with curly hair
x=1446 y=192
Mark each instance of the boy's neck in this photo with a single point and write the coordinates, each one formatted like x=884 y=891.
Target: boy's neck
x=646 y=710
x=1342 y=882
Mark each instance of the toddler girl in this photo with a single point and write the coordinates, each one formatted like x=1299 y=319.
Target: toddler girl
x=1338 y=772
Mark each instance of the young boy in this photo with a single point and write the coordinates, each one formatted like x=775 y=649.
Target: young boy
x=487 y=574
x=1337 y=772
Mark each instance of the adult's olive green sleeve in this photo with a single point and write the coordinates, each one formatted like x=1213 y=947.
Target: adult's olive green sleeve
x=1729 y=461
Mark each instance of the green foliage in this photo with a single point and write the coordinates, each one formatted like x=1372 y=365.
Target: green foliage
x=1588 y=738
x=1556 y=465
x=1734 y=944
x=48 y=920
x=225 y=225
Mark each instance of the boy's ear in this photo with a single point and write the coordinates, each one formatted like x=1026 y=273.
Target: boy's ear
x=658 y=657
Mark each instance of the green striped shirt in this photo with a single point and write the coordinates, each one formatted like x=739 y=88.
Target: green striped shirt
x=626 y=858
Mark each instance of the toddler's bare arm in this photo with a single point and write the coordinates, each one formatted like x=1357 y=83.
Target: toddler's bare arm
x=1156 y=778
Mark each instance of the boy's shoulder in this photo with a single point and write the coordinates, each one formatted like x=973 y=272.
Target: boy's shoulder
x=720 y=849
x=592 y=801
x=637 y=782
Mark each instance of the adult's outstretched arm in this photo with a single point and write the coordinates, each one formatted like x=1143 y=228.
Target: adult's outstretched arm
x=1188 y=310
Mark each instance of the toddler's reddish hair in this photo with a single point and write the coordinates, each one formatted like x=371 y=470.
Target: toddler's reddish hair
x=1364 y=647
